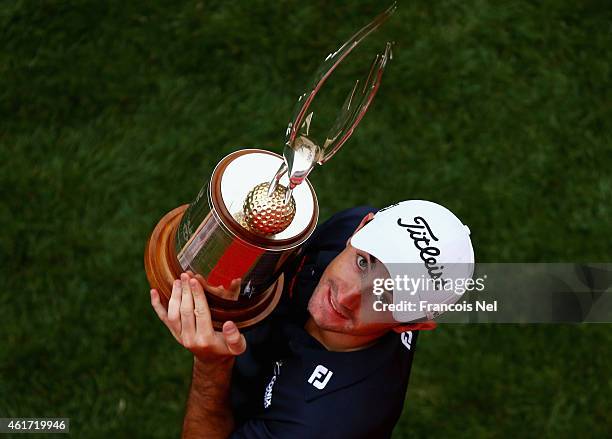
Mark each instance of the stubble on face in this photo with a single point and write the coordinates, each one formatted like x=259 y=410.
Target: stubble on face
x=329 y=315
x=321 y=310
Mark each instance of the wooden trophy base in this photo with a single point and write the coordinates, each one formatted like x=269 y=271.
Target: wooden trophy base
x=162 y=267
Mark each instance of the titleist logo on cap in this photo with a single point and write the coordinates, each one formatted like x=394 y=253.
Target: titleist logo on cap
x=422 y=235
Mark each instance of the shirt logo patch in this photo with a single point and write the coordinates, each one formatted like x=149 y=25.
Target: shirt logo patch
x=320 y=377
x=407 y=339
x=270 y=386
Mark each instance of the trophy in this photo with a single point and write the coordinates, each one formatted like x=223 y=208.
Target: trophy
x=258 y=207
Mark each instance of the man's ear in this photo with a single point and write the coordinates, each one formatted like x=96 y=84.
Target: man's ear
x=423 y=326
x=363 y=222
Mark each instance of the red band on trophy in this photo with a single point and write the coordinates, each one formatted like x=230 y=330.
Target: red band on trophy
x=235 y=262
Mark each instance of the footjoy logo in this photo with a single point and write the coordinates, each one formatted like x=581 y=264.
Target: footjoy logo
x=320 y=377
x=422 y=235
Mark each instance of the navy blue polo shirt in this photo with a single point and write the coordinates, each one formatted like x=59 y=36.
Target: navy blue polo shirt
x=288 y=385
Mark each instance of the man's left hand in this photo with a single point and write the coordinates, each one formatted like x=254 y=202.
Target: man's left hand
x=188 y=319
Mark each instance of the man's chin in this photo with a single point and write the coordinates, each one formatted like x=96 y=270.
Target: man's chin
x=322 y=319
x=328 y=321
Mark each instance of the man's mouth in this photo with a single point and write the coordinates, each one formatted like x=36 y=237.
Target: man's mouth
x=334 y=306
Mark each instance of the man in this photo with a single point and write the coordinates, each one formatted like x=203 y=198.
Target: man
x=329 y=361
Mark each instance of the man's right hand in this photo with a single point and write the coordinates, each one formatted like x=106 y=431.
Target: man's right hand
x=189 y=321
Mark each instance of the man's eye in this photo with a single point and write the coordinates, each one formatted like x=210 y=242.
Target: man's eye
x=362 y=262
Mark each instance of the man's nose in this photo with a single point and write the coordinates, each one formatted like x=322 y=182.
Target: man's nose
x=349 y=295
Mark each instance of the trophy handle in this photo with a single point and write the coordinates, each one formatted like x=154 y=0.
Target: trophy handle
x=349 y=118
x=301 y=152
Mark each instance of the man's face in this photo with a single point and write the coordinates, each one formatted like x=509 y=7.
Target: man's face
x=342 y=301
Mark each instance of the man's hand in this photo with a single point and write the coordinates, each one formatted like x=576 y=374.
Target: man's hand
x=208 y=413
x=230 y=293
x=188 y=319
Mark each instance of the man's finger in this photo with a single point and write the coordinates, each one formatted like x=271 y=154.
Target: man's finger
x=174 y=304
x=235 y=287
x=230 y=294
x=203 y=321
x=188 y=325
x=201 y=279
x=234 y=340
x=157 y=306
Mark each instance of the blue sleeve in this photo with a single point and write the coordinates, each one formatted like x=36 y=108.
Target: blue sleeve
x=264 y=429
x=252 y=429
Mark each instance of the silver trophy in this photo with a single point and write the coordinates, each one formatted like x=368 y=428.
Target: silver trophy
x=255 y=211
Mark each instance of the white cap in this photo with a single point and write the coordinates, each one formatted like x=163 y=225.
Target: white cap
x=420 y=240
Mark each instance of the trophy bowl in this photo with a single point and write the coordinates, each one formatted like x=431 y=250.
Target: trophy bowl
x=235 y=236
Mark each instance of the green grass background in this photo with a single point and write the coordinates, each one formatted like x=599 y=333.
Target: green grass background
x=114 y=112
